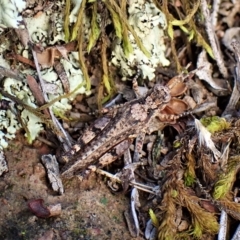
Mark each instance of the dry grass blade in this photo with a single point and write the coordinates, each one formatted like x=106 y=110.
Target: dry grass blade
x=213 y=40
x=4 y=72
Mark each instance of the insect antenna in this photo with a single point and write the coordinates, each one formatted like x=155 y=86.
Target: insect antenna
x=135 y=83
x=185 y=114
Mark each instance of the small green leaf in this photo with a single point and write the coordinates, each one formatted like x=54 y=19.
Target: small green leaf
x=177 y=144
x=201 y=41
x=106 y=83
x=116 y=22
x=95 y=30
x=191 y=36
x=170 y=30
x=127 y=46
x=184 y=29
x=174 y=193
x=188 y=18
x=189 y=179
x=153 y=217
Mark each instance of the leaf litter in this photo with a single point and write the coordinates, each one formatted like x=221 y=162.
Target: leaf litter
x=180 y=180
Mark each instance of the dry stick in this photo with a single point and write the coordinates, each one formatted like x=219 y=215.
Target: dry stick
x=31 y=109
x=66 y=139
x=54 y=123
x=236 y=235
x=223 y=225
x=39 y=75
x=214 y=15
x=66 y=20
x=11 y=74
x=79 y=25
x=41 y=139
x=36 y=91
x=137 y=185
x=236 y=48
x=213 y=39
x=130 y=165
x=21 y=59
x=134 y=200
x=217 y=203
x=236 y=90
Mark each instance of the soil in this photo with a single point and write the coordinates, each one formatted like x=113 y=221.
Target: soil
x=89 y=209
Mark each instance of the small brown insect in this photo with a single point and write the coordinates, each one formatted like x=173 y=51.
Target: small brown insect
x=126 y=123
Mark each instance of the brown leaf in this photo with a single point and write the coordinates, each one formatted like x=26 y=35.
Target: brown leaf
x=46 y=58
x=209 y=206
x=21 y=59
x=63 y=51
x=37 y=208
x=37 y=92
x=35 y=89
x=62 y=75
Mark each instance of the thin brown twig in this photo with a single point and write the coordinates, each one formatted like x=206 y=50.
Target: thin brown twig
x=64 y=137
x=213 y=39
x=5 y=72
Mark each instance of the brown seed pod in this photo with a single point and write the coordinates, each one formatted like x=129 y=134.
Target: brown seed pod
x=37 y=208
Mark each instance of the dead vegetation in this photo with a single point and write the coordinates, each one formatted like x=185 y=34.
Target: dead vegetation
x=61 y=84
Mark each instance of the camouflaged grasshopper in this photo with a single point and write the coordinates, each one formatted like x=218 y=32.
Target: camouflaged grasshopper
x=126 y=122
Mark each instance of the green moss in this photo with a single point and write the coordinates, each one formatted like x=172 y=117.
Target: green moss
x=177 y=144
x=225 y=182
x=104 y=201
x=189 y=179
x=174 y=193
x=215 y=124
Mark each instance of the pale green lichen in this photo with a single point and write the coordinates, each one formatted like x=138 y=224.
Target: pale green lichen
x=9 y=13
x=33 y=124
x=38 y=29
x=149 y=23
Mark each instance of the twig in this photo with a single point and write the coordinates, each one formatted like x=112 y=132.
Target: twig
x=236 y=90
x=134 y=200
x=137 y=185
x=236 y=235
x=213 y=39
x=39 y=75
x=41 y=139
x=21 y=59
x=11 y=74
x=114 y=101
x=66 y=139
x=236 y=47
x=223 y=226
x=215 y=7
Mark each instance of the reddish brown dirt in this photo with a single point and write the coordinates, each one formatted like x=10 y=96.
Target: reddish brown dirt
x=89 y=209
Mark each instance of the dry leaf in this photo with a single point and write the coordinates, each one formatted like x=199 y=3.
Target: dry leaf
x=205 y=72
x=46 y=58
